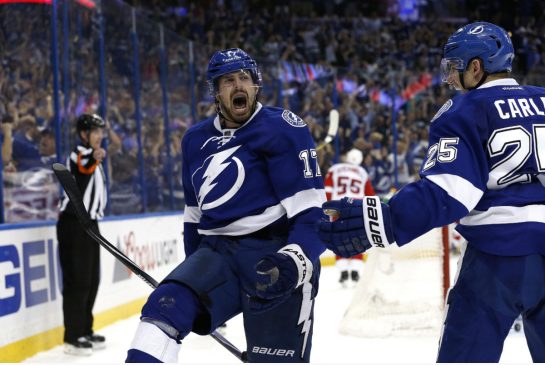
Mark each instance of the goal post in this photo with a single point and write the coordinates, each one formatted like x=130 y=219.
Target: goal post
x=445 y=236
x=402 y=289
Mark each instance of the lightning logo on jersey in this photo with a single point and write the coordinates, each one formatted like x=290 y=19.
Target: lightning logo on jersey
x=217 y=163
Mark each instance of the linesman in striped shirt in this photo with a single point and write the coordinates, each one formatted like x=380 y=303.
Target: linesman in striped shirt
x=79 y=254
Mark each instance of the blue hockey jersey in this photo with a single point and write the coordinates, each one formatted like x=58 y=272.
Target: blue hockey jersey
x=485 y=167
x=239 y=181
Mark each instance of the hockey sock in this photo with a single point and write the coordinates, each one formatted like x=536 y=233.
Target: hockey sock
x=167 y=317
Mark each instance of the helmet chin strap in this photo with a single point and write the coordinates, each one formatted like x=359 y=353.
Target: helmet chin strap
x=481 y=81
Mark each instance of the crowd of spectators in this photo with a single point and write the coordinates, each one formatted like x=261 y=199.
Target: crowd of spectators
x=359 y=57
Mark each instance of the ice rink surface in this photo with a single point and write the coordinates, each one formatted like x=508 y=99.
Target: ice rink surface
x=328 y=345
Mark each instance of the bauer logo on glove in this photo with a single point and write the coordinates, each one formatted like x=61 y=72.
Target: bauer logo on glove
x=354 y=226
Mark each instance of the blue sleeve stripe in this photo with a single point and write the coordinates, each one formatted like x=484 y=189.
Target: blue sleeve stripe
x=192 y=214
x=506 y=215
x=458 y=188
x=303 y=200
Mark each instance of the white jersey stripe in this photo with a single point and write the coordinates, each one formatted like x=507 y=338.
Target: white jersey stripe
x=290 y=206
x=302 y=200
x=192 y=214
x=87 y=194
x=248 y=224
x=305 y=313
x=94 y=196
x=506 y=215
x=458 y=188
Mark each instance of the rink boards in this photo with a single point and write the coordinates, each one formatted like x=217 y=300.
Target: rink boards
x=31 y=282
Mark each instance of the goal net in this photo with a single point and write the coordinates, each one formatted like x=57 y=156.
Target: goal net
x=401 y=290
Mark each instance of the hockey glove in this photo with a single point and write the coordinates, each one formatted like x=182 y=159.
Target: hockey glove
x=357 y=225
x=278 y=275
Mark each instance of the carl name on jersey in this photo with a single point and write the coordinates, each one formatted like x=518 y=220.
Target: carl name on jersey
x=520 y=107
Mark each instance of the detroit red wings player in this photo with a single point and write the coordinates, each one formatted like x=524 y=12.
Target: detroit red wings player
x=348 y=179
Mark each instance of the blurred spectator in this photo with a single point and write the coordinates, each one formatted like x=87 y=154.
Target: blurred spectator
x=377 y=170
x=176 y=172
x=153 y=167
x=403 y=174
x=7 y=142
x=124 y=192
x=46 y=148
x=25 y=144
x=418 y=148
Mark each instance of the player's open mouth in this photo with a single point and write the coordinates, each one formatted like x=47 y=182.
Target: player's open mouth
x=240 y=102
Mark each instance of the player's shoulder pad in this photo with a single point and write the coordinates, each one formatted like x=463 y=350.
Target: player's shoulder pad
x=464 y=106
x=284 y=117
x=293 y=119
x=534 y=89
x=442 y=110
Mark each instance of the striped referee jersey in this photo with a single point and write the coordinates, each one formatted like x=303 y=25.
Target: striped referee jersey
x=90 y=179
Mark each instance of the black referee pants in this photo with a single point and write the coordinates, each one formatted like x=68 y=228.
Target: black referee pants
x=80 y=263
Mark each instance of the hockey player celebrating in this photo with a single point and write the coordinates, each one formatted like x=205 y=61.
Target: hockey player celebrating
x=253 y=193
x=485 y=166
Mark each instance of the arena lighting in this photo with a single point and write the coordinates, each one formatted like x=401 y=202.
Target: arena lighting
x=87 y=3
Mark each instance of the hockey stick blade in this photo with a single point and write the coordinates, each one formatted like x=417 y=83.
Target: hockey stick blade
x=72 y=191
x=332 y=130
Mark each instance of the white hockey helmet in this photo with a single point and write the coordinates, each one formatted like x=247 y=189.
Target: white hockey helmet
x=354 y=157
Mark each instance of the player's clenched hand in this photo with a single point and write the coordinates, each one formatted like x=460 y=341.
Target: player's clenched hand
x=356 y=225
x=278 y=275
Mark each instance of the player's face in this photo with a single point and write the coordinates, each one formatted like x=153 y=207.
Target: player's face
x=236 y=95
x=450 y=72
x=472 y=75
x=453 y=79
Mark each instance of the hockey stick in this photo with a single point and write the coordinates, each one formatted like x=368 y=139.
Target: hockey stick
x=69 y=184
x=332 y=130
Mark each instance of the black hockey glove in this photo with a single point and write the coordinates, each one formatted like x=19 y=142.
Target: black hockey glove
x=278 y=275
x=357 y=225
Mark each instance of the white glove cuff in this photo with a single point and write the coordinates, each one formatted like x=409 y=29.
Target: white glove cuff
x=373 y=222
x=304 y=266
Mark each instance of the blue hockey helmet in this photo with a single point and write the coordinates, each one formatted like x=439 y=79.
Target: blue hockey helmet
x=483 y=40
x=227 y=61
